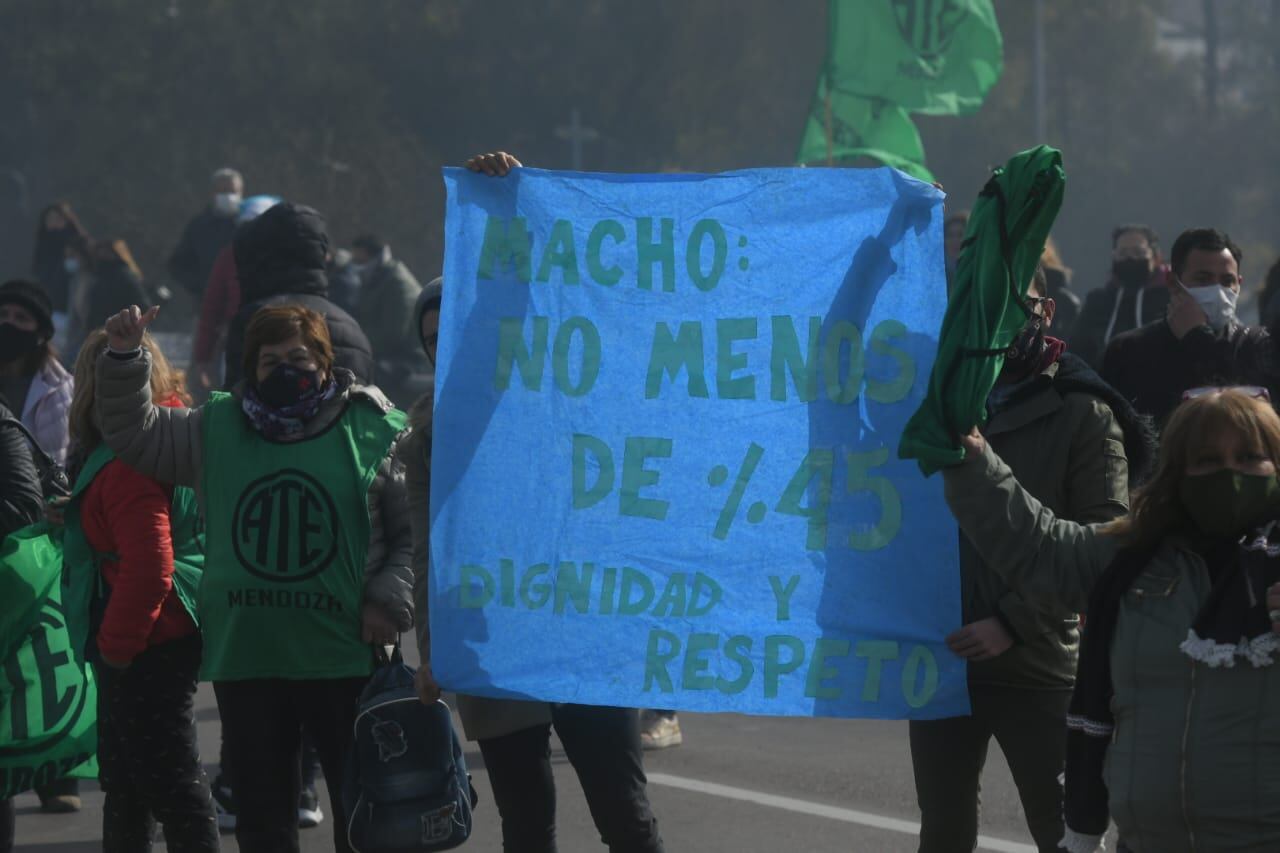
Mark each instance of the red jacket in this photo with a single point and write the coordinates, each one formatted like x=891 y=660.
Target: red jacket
x=127 y=514
x=220 y=304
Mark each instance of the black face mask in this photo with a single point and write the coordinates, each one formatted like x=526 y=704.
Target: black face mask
x=1131 y=272
x=286 y=386
x=17 y=343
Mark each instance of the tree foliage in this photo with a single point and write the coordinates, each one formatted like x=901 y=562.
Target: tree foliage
x=125 y=107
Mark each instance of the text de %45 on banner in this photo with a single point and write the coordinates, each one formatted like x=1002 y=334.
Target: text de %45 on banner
x=808 y=495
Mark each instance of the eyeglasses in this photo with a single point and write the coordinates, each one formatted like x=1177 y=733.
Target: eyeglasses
x=1257 y=392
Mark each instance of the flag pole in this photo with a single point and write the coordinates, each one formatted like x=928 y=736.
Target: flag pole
x=1040 y=118
x=827 y=79
x=827 y=124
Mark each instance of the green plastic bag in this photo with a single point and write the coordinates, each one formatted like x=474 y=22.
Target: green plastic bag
x=48 y=702
x=1002 y=246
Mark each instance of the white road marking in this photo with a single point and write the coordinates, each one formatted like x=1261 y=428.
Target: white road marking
x=791 y=804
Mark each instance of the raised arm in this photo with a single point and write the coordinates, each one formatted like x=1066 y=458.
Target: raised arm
x=160 y=442
x=1048 y=561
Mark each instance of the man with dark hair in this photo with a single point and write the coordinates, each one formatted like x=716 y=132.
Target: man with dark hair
x=1134 y=295
x=1194 y=343
x=384 y=306
x=1077 y=446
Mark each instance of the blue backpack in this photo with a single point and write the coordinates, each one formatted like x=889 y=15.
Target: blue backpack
x=407 y=789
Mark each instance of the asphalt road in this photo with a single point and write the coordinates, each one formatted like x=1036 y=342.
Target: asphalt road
x=737 y=784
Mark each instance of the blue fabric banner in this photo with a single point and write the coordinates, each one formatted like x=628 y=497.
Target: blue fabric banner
x=663 y=469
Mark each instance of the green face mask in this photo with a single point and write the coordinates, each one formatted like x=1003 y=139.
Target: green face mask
x=1227 y=502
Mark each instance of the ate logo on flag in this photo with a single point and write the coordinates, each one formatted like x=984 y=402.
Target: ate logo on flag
x=928 y=25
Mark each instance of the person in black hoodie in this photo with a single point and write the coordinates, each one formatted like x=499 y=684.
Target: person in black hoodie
x=281 y=259
x=1134 y=296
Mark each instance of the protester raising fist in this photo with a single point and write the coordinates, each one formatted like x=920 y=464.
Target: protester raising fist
x=289 y=603
x=125 y=330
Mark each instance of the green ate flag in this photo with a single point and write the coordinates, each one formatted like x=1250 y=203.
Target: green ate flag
x=48 y=704
x=938 y=57
x=843 y=127
x=1006 y=235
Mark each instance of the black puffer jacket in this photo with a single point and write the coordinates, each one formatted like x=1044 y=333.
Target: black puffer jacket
x=20 y=498
x=1141 y=441
x=280 y=260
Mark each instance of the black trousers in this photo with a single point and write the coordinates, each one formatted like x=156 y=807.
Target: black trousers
x=310 y=765
x=262 y=721
x=603 y=745
x=149 y=763
x=948 y=756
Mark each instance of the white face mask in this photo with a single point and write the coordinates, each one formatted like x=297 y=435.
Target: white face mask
x=1217 y=302
x=226 y=204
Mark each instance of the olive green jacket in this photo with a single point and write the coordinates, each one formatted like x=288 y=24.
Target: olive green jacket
x=1068 y=451
x=1194 y=764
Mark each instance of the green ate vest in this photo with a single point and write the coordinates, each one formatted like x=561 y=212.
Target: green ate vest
x=85 y=591
x=288 y=532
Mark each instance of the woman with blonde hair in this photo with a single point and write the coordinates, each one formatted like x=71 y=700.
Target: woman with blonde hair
x=133 y=555
x=1174 y=726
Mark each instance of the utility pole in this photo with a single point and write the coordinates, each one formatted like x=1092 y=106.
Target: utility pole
x=576 y=134
x=1211 y=57
x=1040 y=95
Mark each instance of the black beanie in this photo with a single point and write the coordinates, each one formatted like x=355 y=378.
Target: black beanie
x=33 y=297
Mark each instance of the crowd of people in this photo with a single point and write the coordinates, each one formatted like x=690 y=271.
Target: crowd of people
x=1125 y=479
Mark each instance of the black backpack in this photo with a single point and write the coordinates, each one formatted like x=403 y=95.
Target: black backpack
x=407 y=788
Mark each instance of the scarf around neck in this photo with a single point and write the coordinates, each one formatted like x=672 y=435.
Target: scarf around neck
x=286 y=422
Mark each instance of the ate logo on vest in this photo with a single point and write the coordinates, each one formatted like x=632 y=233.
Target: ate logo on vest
x=286 y=527
x=928 y=25
x=46 y=692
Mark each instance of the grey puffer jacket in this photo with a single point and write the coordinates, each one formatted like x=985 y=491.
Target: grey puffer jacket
x=482 y=718
x=168 y=444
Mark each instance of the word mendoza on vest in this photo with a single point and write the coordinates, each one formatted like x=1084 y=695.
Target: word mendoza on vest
x=300 y=600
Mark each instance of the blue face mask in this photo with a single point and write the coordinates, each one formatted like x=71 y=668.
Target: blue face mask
x=1217 y=302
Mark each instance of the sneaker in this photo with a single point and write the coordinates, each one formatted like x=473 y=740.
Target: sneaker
x=224 y=805
x=309 y=814
x=659 y=731
x=60 y=804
